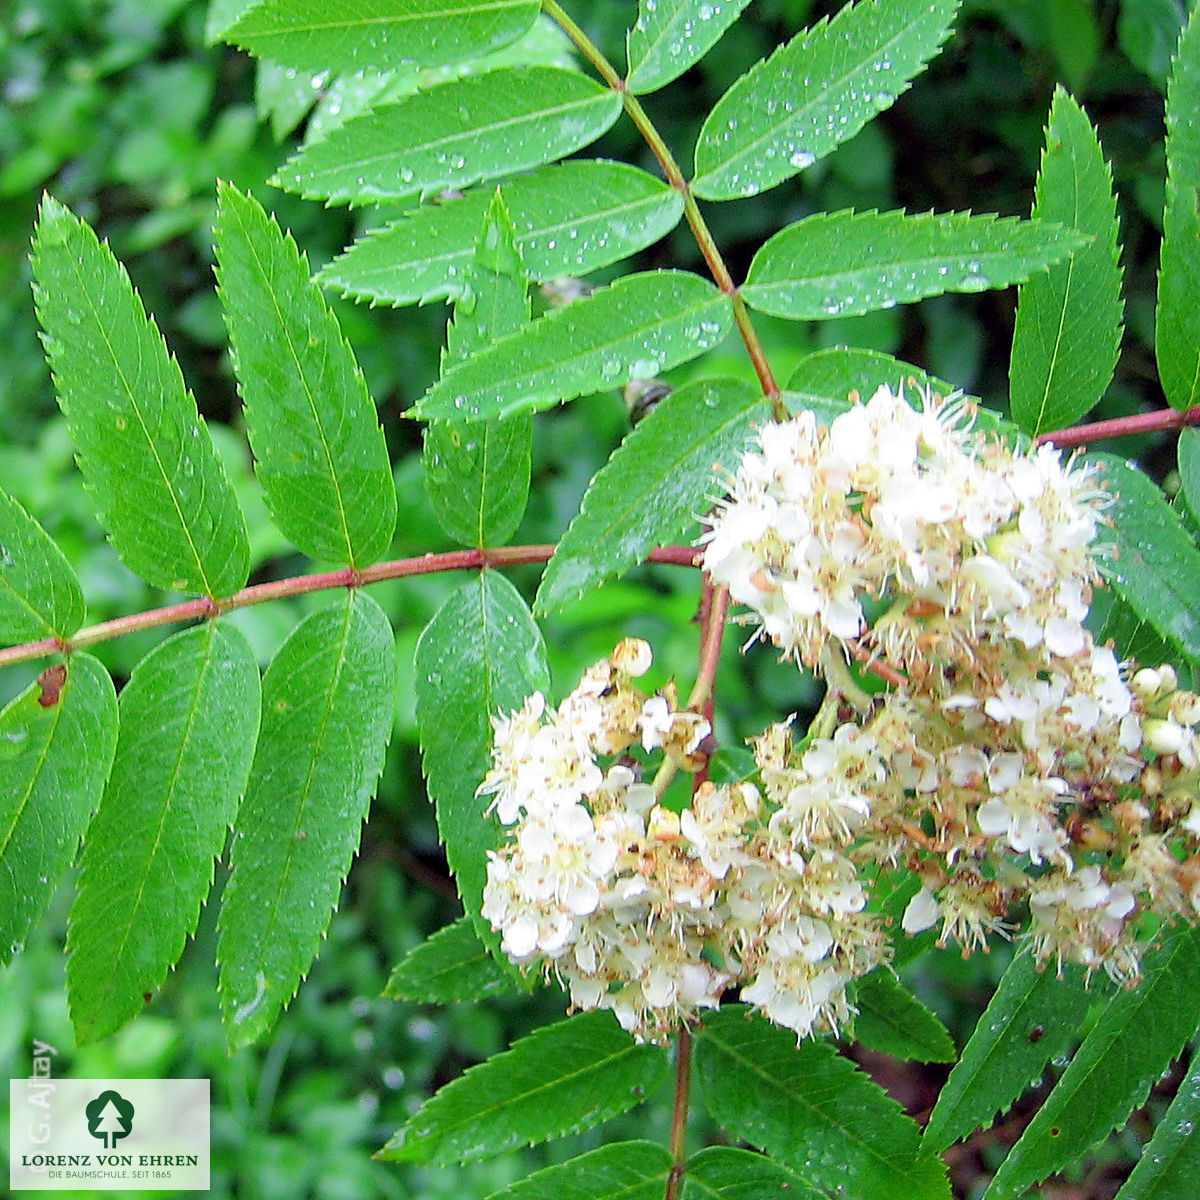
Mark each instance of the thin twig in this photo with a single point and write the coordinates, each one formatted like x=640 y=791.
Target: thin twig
x=1151 y=422
x=299 y=585
x=679 y=1113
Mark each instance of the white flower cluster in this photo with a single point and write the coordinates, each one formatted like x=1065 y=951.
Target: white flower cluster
x=1014 y=767
x=1019 y=766
x=651 y=912
x=963 y=537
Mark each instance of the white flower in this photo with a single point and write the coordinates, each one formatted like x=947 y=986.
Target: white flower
x=921 y=912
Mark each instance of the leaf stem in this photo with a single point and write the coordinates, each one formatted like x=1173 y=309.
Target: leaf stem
x=679 y=1114
x=691 y=210
x=1151 y=422
x=299 y=585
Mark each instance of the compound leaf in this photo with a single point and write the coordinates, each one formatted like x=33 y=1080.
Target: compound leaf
x=1068 y=326
x=558 y=1080
x=1177 y=317
x=40 y=596
x=327 y=712
x=814 y=93
x=845 y=263
x=1129 y=1047
x=654 y=485
x=481 y=654
x=452 y=135
x=569 y=219
x=314 y=35
x=477 y=475
x=147 y=458
x=56 y=746
x=670 y=35
x=1033 y=1017
x=188 y=721
x=319 y=451
x=811 y=1109
x=451 y=966
x=633 y=329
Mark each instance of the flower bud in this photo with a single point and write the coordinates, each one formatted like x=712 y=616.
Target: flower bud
x=632 y=656
x=1147 y=683
x=1162 y=737
x=1184 y=707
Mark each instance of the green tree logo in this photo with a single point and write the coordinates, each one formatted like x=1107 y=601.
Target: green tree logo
x=109 y=1117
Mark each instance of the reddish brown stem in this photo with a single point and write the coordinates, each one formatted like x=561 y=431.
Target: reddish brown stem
x=679 y=1114
x=1151 y=422
x=298 y=585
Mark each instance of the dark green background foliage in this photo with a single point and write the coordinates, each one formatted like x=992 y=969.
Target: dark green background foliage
x=128 y=113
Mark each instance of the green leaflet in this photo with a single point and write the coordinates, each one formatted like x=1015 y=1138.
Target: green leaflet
x=477 y=475
x=350 y=94
x=620 y=1171
x=811 y=1109
x=1068 y=325
x=844 y=263
x=656 y=482
x=188 y=721
x=1170 y=1163
x=451 y=966
x=670 y=35
x=284 y=97
x=558 y=1080
x=320 y=453
x=327 y=712
x=146 y=457
x=1033 y=1017
x=814 y=93
x=633 y=329
x=480 y=655
x=1111 y=1074
x=1177 y=317
x=40 y=595
x=1147 y=33
x=452 y=135
x=313 y=35
x=892 y=1020
x=570 y=219
x=222 y=14
x=1112 y=619
x=1155 y=567
x=824 y=380
x=1189 y=468
x=726 y=1173
x=53 y=764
